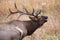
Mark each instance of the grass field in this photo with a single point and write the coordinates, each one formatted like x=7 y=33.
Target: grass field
x=50 y=8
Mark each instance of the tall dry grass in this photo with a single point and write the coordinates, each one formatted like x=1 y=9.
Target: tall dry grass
x=51 y=8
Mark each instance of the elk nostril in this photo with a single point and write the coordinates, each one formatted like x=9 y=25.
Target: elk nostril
x=46 y=17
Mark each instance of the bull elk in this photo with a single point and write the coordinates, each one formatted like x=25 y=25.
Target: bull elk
x=17 y=30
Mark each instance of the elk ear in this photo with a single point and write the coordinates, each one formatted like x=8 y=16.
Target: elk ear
x=31 y=17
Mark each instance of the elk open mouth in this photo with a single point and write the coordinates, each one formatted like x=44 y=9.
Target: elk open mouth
x=46 y=19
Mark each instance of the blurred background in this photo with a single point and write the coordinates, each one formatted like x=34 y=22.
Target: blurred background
x=51 y=8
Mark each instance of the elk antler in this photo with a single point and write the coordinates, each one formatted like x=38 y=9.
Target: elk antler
x=38 y=12
x=28 y=13
x=23 y=13
x=17 y=11
x=33 y=12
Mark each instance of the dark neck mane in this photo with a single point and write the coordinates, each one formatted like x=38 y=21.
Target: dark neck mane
x=32 y=26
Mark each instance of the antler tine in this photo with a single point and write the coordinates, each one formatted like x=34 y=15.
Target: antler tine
x=17 y=10
x=25 y=9
x=27 y=13
x=11 y=13
x=38 y=12
x=33 y=12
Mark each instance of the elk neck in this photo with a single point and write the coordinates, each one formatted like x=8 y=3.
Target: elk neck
x=31 y=27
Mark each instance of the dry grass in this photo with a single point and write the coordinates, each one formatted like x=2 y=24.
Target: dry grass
x=51 y=8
